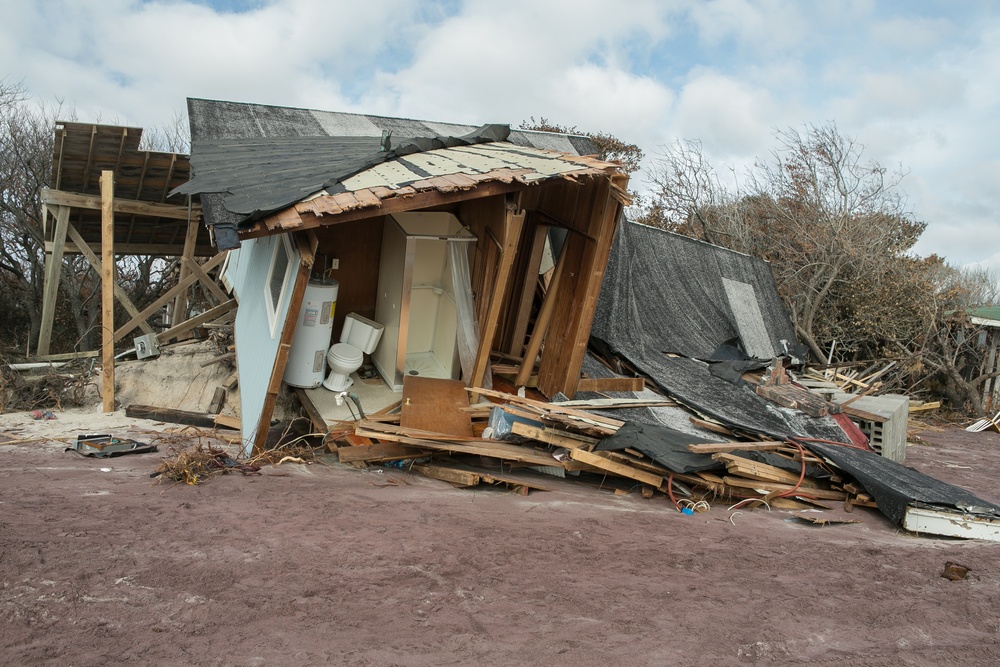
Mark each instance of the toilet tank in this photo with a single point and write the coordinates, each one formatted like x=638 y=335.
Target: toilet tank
x=361 y=332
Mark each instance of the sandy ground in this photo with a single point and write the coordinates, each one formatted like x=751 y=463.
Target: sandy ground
x=326 y=564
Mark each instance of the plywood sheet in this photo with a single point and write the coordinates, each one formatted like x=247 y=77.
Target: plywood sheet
x=431 y=404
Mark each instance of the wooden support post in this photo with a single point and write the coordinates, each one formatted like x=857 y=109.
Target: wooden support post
x=541 y=324
x=512 y=239
x=108 y=290
x=180 y=303
x=53 y=274
x=530 y=282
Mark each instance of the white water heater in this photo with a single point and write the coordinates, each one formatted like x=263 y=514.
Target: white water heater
x=307 y=357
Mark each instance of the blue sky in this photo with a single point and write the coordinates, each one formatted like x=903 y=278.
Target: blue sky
x=914 y=81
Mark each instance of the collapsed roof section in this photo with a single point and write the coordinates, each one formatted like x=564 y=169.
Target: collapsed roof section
x=675 y=307
x=251 y=161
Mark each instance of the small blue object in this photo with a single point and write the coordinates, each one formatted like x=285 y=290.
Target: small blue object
x=688 y=511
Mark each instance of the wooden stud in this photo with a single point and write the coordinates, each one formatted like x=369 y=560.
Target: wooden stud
x=529 y=284
x=541 y=323
x=124 y=206
x=53 y=274
x=196 y=321
x=611 y=384
x=108 y=290
x=512 y=239
x=190 y=238
x=620 y=469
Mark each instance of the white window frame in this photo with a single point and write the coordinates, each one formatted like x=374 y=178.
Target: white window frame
x=272 y=308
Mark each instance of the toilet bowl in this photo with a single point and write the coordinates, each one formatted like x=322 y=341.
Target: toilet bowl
x=359 y=337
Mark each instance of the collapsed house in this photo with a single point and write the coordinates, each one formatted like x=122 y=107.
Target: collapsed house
x=409 y=219
x=386 y=269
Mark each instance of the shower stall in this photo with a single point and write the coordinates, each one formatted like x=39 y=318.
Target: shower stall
x=424 y=299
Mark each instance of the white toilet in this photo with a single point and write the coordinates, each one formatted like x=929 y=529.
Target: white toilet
x=359 y=337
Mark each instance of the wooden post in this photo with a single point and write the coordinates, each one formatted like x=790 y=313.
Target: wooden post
x=179 y=311
x=541 y=324
x=53 y=274
x=512 y=239
x=108 y=290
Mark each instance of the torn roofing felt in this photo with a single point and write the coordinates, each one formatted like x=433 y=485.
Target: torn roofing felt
x=665 y=295
x=894 y=486
x=260 y=175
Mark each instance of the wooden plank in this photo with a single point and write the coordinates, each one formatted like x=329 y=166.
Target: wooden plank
x=714 y=447
x=205 y=280
x=228 y=421
x=218 y=400
x=710 y=426
x=489 y=448
x=757 y=470
x=611 y=384
x=553 y=437
x=124 y=206
x=433 y=404
x=933 y=405
x=541 y=324
x=456 y=476
x=768 y=487
x=852 y=411
x=615 y=468
x=382 y=451
x=172 y=415
x=95 y=262
x=53 y=274
x=108 y=291
x=190 y=238
x=529 y=284
x=319 y=424
x=608 y=422
x=512 y=239
x=197 y=321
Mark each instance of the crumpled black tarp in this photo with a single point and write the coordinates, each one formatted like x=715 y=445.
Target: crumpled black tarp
x=666 y=446
x=894 y=486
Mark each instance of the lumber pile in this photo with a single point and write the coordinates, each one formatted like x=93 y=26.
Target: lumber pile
x=513 y=433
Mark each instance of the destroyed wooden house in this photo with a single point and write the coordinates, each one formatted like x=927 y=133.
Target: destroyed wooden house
x=427 y=238
x=438 y=256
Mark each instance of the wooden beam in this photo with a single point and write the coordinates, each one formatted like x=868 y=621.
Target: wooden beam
x=53 y=274
x=306 y=259
x=512 y=239
x=124 y=206
x=528 y=286
x=615 y=468
x=311 y=411
x=389 y=206
x=205 y=279
x=173 y=416
x=196 y=321
x=541 y=323
x=382 y=451
x=716 y=447
x=108 y=291
x=190 y=238
x=611 y=384
x=95 y=262
x=170 y=294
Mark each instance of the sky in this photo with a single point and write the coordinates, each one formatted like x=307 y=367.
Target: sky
x=914 y=81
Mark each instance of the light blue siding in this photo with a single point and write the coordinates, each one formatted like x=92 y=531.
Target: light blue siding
x=256 y=348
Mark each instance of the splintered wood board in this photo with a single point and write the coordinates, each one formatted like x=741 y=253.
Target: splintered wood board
x=431 y=404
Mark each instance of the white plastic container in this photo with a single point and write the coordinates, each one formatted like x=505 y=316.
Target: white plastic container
x=307 y=357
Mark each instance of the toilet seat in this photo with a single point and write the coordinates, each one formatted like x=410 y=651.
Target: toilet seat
x=348 y=355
